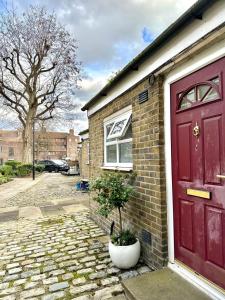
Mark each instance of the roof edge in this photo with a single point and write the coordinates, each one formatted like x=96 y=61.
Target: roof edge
x=195 y=11
x=83 y=132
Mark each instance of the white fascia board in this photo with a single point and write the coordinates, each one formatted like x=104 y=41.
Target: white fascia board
x=118 y=113
x=192 y=33
x=84 y=136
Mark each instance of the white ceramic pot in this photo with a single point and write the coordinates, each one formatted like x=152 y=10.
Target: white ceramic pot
x=125 y=257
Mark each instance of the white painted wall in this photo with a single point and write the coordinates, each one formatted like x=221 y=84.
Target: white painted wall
x=84 y=136
x=212 y=18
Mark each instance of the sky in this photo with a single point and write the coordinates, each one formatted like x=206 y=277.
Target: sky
x=109 y=34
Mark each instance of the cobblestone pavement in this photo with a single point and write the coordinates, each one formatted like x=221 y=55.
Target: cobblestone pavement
x=61 y=257
x=52 y=188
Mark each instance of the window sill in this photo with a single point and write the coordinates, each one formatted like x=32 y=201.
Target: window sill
x=124 y=169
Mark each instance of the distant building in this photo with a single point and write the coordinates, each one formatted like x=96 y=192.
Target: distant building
x=56 y=145
x=11 y=145
x=48 y=145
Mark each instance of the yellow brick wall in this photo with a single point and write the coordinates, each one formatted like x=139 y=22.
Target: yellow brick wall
x=147 y=210
x=84 y=159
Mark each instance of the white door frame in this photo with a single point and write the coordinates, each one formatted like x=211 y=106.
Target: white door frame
x=197 y=62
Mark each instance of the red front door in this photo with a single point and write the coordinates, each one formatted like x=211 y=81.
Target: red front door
x=198 y=157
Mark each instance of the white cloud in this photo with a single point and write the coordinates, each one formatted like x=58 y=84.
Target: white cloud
x=110 y=32
x=99 y=25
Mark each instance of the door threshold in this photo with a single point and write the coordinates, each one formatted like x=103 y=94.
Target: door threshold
x=212 y=290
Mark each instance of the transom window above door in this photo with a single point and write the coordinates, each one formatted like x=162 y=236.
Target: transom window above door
x=199 y=94
x=118 y=140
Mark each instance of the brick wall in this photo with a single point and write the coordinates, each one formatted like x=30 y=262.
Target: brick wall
x=146 y=212
x=56 y=145
x=84 y=159
x=10 y=139
x=48 y=145
x=72 y=145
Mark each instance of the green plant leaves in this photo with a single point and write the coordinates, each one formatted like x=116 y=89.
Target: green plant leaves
x=125 y=238
x=113 y=191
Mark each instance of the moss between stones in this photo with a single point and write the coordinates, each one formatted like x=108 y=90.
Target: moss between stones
x=67 y=296
x=51 y=222
x=85 y=275
x=77 y=275
x=11 y=283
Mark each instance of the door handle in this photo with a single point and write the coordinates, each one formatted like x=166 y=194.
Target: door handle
x=220 y=176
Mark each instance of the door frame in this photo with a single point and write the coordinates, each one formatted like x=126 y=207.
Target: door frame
x=199 y=61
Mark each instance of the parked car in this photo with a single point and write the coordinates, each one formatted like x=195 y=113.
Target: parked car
x=54 y=165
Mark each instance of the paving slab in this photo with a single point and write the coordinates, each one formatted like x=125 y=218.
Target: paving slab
x=30 y=212
x=50 y=210
x=64 y=201
x=9 y=215
x=78 y=198
x=161 y=285
x=8 y=209
x=69 y=209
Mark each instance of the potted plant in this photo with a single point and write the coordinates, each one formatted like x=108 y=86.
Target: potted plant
x=113 y=192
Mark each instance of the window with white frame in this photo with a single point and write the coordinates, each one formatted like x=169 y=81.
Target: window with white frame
x=11 y=152
x=118 y=140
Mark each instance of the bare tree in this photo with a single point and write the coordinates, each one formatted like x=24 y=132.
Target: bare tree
x=38 y=68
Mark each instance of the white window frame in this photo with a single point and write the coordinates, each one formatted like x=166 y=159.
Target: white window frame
x=125 y=113
x=10 y=148
x=125 y=117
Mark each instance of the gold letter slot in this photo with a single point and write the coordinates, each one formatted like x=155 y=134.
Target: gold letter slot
x=199 y=193
x=220 y=176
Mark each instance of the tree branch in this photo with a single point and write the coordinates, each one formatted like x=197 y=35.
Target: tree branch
x=14 y=91
x=49 y=69
x=16 y=108
x=36 y=63
x=11 y=101
x=48 y=107
x=46 y=118
x=13 y=70
x=18 y=62
x=56 y=80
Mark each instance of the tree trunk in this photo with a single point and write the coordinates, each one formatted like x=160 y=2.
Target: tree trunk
x=120 y=219
x=27 y=156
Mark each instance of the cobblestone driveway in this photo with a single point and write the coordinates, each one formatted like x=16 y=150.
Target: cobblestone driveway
x=62 y=257
x=53 y=188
